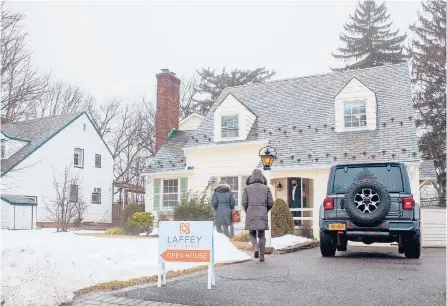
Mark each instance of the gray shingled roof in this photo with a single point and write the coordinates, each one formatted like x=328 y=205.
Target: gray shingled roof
x=18 y=199
x=427 y=170
x=36 y=132
x=298 y=117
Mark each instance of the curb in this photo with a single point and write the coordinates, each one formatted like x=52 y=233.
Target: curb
x=297 y=247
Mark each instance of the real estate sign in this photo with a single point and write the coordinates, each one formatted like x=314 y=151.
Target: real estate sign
x=186 y=241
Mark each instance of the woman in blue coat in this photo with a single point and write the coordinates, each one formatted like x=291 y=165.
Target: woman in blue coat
x=223 y=203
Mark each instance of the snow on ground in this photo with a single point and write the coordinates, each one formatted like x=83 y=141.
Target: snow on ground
x=283 y=242
x=45 y=268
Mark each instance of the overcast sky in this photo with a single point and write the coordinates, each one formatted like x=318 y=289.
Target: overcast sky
x=115 y=48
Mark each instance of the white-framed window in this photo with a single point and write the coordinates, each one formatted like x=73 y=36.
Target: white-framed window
x=96 y=196
x=78 y=159
x=74 y=193
x=354 y=114
x=233 y=182
x=230 y=126
x=97 y=160
x=171 y=193
x=3 y=148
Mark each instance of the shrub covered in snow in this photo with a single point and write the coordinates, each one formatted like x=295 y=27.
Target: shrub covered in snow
x=194 y=207
x=139 y=222
x=282 y=219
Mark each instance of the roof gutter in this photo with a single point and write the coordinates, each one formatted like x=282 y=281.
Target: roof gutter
x=262 y=142
x=165 y=173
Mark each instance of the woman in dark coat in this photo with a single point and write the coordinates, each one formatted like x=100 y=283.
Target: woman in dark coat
x=223 y=203
x=257 y=200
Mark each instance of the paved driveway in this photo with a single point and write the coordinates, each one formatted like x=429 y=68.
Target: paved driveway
x=362 y=276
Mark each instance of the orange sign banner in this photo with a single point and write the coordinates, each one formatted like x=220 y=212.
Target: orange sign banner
x=187 y=255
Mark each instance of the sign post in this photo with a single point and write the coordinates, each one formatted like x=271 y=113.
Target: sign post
x=186 y=241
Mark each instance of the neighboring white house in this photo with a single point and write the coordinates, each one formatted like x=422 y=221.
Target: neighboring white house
x=36 y=153
x=313 y=123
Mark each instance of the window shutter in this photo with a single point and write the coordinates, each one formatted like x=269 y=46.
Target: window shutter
x=157 y=191
x=183 y=188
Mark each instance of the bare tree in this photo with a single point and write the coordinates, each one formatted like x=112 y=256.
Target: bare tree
x=61 y=99
x=67 y=203
x=105 y=116
x=21 y=85
x=188 y=91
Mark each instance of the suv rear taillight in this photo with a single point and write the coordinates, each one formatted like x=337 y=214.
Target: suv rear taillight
x=407 y=203
x=328 y=203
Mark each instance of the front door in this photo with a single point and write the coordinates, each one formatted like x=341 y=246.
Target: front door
x=23 y=217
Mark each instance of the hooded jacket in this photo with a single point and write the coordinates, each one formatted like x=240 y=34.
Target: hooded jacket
x=223 y=202
x=257 y=200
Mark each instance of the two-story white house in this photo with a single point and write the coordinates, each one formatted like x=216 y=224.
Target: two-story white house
x=36 y=153
x=313 y=123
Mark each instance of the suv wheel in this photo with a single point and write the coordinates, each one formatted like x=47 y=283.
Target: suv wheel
x=367 y=202
x=327 y=244
x=413 y=246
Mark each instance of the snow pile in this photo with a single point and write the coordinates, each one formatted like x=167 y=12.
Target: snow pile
x=285 y=241
x=44 y=268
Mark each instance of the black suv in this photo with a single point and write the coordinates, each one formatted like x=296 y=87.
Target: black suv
x=369 y=203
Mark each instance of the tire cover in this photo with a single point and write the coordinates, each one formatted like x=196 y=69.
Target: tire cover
x=367 y=219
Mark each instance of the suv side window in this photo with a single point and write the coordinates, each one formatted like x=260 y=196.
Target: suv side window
x=391 y=179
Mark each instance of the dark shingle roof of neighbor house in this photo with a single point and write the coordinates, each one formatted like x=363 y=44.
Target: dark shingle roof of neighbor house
x=427 y=170
x=35 y=133
x=298 y=117
x=18 y=199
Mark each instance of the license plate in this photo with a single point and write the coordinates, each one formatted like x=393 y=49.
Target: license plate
x=337 y=227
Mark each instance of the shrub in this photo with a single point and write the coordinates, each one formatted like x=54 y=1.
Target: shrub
x=115 y=231
x=139 y=222
x=282 y=219
x=194 y=207
x=129 y=210
x=244 y=237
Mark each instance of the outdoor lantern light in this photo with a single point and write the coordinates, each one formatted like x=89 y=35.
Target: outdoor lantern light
x=279 y=187
x=267 y=154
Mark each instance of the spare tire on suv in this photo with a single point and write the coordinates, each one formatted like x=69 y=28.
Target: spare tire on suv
x=367 y=202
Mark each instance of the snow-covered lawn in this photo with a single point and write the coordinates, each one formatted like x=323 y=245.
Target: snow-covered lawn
x=44 y=268
x=283 y=242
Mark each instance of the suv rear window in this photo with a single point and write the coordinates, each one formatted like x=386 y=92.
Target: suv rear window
x=391 y=179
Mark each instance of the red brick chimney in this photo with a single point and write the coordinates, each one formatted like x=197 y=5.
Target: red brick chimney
x=168 y=106
x=4 y=119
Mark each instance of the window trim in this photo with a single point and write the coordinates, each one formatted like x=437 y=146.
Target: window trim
x=239 y=185
x=100 y=161
x=162 y=193
x=360 y=114
x=74 y=152
x=3 y=149
x=97 y=193
x=227 y=129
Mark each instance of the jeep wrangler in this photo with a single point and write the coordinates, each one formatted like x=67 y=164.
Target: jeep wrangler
x=369 y=203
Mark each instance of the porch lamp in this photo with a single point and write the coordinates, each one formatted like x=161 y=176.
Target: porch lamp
x=267 y=154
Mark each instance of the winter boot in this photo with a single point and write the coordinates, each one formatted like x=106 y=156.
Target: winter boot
x=254 y=243
x=261 y=249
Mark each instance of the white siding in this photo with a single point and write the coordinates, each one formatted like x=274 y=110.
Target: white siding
x=5 y=214
x=433 y=223
x=12 y=146
x=191 y=122
x=35 y=174
x=353 y=91
x=231 y=107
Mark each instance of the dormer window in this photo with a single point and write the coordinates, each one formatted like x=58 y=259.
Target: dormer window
x=3 y=148
x=355 y=108
x=355 y=114
x=230 y=126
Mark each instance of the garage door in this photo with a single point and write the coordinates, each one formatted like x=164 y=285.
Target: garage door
x=433 y=227
x=23 y=217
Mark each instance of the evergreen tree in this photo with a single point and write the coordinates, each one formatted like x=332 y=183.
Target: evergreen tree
x=368 y=40
x=212 y=84
x=428 y=60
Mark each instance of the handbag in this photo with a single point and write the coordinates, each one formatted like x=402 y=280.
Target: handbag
x=235 y=216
